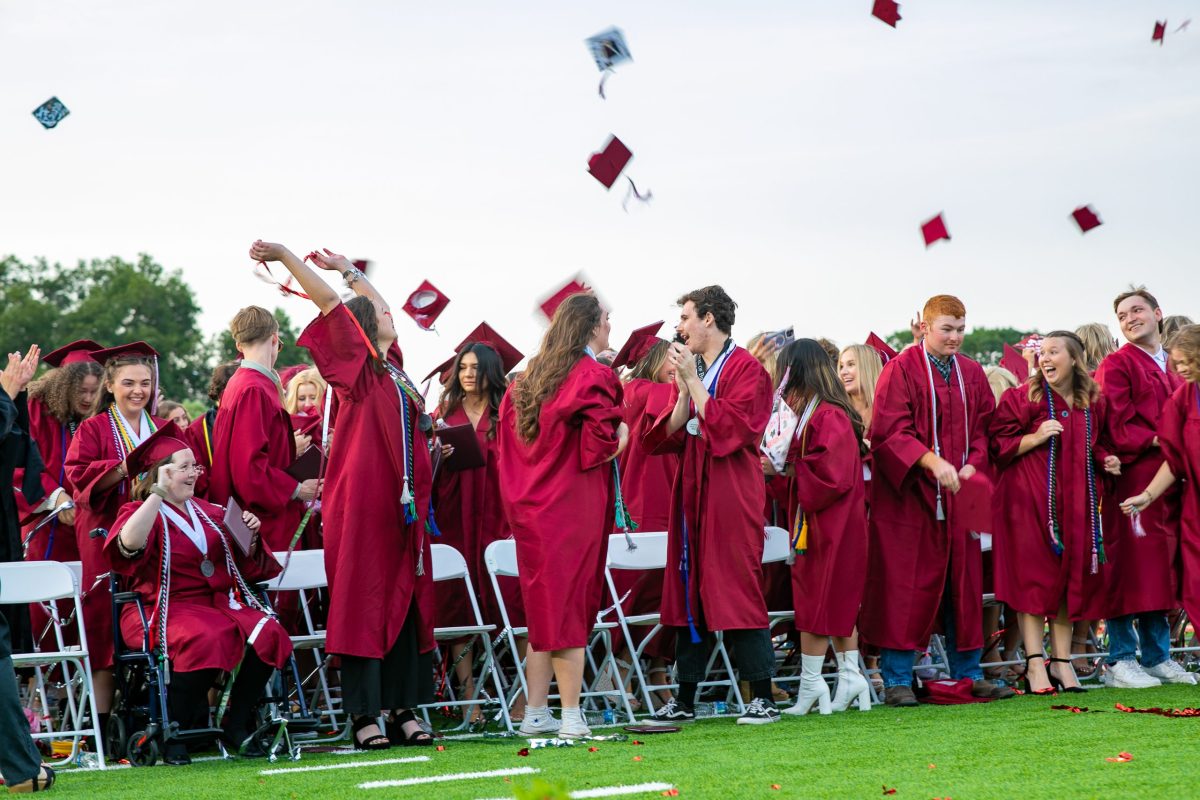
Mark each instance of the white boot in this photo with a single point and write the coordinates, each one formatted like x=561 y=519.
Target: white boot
x=851 y=684
x=813 y=688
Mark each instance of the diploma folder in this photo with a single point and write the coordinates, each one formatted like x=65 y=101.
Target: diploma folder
x=307 y=465
x=237 y=527
x=467 y=453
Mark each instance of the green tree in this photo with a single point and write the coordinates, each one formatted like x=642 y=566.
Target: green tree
x=290 y=355
x=985 y=345
x=111 y=301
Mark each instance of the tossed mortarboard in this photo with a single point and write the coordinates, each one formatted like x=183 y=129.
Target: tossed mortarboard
x=608 y=48
x=51 y=112
x=607 y=165
x=425 y=305
x=1086 y=218
x=551 y=303
x=886 y=353
x=166 y=441
x=81 y=350
x=934 y=229
x=638 y=345
x=1160 y=32
x=886 y=10
x=1014 y=362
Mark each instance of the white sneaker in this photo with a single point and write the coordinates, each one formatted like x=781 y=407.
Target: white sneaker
x=573 y=726
x=538 y=721
x=1170 y=671
x=1129 y=674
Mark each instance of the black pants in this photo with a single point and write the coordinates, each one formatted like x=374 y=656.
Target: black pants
x=19 y=759
x=403 y=678
x=187 y=696
x=751 y=647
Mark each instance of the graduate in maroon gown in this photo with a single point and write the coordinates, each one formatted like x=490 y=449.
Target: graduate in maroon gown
x=1050 y=559
x=96 y=466
x=252 y=441
x=18 y=450
x=646 y=480
x=1179 y=437
x=560 y=427
x=1144 y=580
x=715 y=547
x=928 y=434
x=823 y=492
x=376 y=505
x=199 y=433
x=467 y=499
x=204 y=619
x=58 y=402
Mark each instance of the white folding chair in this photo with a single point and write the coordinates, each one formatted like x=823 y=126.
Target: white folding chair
x=46 y=583
x=449 y=565
x=501 y=560
x=777 y=545
x=650 y=554
x=306 y=572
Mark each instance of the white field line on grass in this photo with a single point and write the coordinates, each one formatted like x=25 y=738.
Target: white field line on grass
x=615 y=791
x=453 y=776
x=352 y=765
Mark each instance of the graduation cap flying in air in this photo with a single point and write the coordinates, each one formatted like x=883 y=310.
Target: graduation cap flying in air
x=638 y=345
x=425 y=305
x=51 y=112
x=934 y=229
x=1086 y=218
x=608 y=164
x=609 y=49
x=574 y=286
x=886 y=10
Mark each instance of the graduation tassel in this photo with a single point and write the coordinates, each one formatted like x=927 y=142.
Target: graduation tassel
x=431 y=523
x=799 y=536
x=625 y=522
x=632 y=193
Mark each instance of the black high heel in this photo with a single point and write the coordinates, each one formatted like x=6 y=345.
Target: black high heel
x=1025 y=678
x=376 y=742
x=1057 y=682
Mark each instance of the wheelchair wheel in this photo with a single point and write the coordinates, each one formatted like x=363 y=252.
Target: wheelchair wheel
x=142 y=750
x=114 y=738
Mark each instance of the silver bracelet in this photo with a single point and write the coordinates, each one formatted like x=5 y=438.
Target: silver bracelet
x=351 y=276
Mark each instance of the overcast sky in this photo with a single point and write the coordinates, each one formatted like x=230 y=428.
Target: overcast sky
x=793 y=149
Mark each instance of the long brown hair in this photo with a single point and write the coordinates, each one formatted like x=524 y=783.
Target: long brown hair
x=58 y=387
x=364 y=311
x=490 y=376
x=115 y=365
x=651 y=363
x=811 y=374
x=561 y=349
x=1084 y=388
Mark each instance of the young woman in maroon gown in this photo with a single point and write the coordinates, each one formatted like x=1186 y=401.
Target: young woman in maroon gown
x=560 y=426
x=1048 y=545
x=822 y=490
x=469 y=513
x=203 y=618
x=96 y=466
x=1179 y=436
x=375 y=505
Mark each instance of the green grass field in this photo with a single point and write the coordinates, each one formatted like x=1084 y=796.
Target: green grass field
x=1017 y=749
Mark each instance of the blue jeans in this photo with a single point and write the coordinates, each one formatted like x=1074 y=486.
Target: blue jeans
x=1155 y=638
x=897 y=665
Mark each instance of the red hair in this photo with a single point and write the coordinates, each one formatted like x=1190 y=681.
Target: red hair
x=943 y=305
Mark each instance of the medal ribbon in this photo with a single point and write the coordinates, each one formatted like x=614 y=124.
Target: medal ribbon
x=937 y=444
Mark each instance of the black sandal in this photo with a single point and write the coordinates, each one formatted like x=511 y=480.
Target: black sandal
x=377 y=742
x=1057 y=682
x=1025 y=677
x=38 y=783
x=395 y=728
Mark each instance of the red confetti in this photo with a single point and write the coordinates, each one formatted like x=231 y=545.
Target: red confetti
x=638 y=741
x=524 y=751
x=637 y=758
x=593 y=749
x=886 y=790
x=1075 y=709
x=933 y=766
x=1121 y=758
x=441 y=748
x=671 y=793
x=776 y=786
x=1162 y=712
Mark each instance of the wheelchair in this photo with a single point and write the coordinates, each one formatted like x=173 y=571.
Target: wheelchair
x=139 y=727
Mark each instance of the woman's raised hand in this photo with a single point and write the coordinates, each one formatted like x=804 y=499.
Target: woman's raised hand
x=267 y=251
x=327 y=259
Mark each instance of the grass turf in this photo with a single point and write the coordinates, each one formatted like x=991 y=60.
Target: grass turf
x=1013 y=748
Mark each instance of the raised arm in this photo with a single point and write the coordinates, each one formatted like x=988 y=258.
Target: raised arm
x=358 y=283
x=321 y=293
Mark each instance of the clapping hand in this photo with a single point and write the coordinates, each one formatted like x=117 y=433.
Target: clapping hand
x=19 y=371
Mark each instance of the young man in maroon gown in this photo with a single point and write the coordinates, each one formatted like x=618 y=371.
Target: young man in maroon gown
x=252 y=442
x=1144 y=579
x=715 y=545
x=929 y=433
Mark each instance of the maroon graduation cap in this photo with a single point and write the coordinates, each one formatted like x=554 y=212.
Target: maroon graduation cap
x=73 y=353
x=934 y=229
x=483 y=334
x=638 y=345
x=1086 y=218
x=1014 y=362
x=166 y=441
x=1160 y=32
x=551 y=303
x=607 y=165
x=886 y=10
x=425 y=305
x=886 y=353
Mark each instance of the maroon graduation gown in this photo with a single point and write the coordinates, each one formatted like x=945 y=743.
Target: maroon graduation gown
x=56 y=541
x=829 y=578
x=1029 y=576
x=558 y=498
x=910 y=552
x=371 y=553
x=719 y=489
x=198 y=436
x=205 y=630
x=1179 y=434
x=92 y=454
x=1144 y=573
x=252 y=446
